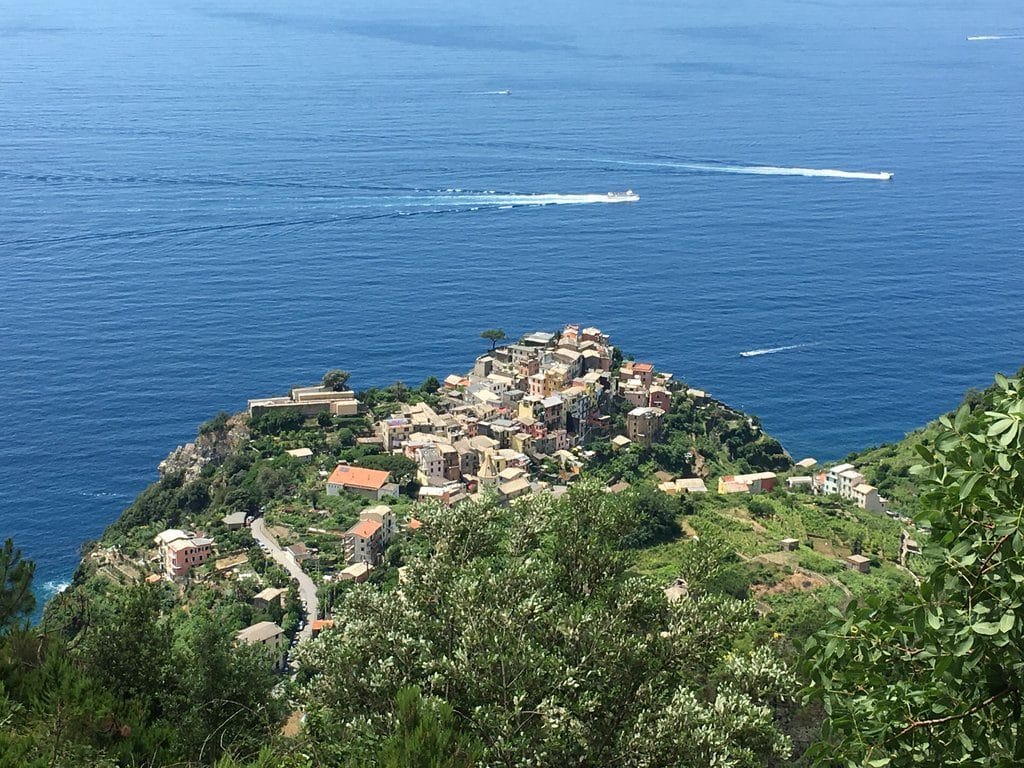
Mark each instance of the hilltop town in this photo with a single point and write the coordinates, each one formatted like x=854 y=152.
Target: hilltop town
x=522 y=405
x=306 y=494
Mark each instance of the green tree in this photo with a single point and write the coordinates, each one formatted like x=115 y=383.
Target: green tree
x=531 y=626
x=336 y=379
x=276 y=421
x=938 y=678
x=430 y=385
x=399 y=391
x=221 y=700
x=654 y=516
x=16 y=599
x=216 y=424
x=427 y=735
x=493 y=335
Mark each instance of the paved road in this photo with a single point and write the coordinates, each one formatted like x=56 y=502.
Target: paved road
x=307 y=589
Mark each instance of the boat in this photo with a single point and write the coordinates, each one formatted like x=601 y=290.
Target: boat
x=629 y=196
x=502 y=93
x=886 y=176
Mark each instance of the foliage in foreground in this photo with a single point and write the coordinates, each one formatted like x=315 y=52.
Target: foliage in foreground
x=940 y=680
x=132 y=689
x=529 y=625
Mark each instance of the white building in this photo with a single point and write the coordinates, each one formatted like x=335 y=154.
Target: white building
x=845 y=481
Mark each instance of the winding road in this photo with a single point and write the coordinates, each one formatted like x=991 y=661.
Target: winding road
x=307 y=589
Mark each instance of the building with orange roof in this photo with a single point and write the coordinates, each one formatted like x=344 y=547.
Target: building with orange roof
x=644 y=372
x=320 y=625
x=372 y=483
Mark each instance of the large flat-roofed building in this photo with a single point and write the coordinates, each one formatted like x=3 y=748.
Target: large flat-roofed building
x=309 y=401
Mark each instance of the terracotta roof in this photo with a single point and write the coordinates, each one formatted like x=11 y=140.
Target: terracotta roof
x=414 y=524
x=321 y=624
x=643 y=367
x=358 y=477
x=364 y=528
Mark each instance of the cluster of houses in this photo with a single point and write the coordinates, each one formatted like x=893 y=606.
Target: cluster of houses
x=845 y=481
x=520 y=406
x=842 y=480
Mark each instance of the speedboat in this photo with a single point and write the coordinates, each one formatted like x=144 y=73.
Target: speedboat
x=629 y=196
x=886 y=176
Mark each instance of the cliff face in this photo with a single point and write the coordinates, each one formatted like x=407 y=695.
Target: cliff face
x=212 y=446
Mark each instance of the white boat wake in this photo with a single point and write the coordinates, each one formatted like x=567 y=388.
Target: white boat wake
x=773 y=350
x=509 y=200
x=764 y=170
x=977 y=38
x=424 y=203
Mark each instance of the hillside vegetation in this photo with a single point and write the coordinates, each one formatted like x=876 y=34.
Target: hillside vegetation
x=512 y=634
x=888 y=466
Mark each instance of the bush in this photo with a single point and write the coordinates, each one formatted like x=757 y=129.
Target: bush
x=276 y=421
x=812 y=561
x=216 y=424
x=758 y=506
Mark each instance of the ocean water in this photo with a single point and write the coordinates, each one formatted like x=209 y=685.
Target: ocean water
x=206 y=202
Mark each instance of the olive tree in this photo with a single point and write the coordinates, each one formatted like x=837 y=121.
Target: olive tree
x=938 y=679
x=529 y=624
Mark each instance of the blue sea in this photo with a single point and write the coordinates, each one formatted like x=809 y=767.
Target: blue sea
x=206 y=202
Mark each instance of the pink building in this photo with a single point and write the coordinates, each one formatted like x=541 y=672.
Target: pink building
x=180 y=553
x=660 y=398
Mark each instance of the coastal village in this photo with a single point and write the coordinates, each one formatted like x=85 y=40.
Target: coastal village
x=529 y=417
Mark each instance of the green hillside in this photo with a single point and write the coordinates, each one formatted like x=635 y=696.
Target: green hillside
x=887 y=466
